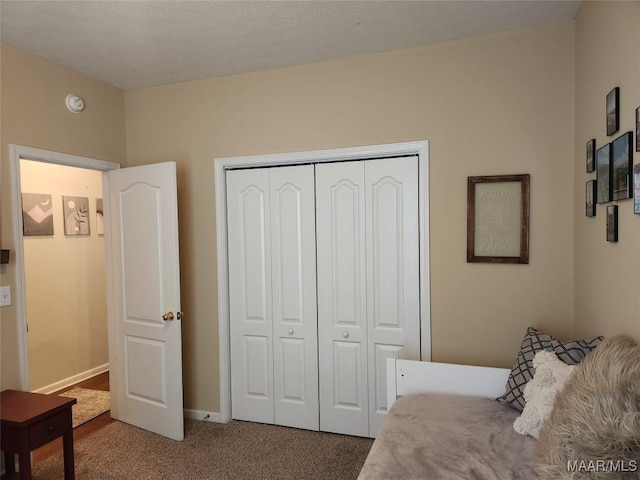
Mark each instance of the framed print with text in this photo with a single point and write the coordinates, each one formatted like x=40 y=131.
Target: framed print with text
x=498 y=219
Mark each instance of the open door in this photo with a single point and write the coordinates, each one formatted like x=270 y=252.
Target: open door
x=144 y=284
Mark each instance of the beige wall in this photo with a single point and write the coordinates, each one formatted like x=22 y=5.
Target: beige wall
x=33 y=114
x=607 y=280
x=65 y=279
x=495 y=104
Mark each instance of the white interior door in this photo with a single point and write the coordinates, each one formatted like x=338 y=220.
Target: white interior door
x=142 y=226
x=250 y=317
x=342 y=297
x=393 y=285
x=272 y=299
x=293 y=270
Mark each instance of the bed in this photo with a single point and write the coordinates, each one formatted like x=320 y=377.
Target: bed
x=443 y=423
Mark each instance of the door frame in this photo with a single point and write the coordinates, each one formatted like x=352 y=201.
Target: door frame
x=221 y=165
x=17 y=152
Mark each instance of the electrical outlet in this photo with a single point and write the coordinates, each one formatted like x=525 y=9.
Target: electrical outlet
x=5 y=296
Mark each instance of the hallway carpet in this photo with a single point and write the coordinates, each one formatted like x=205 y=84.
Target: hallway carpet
x=91 y=403
x=236 y=450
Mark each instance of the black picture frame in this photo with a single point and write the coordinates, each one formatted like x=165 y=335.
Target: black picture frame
x=621 y=166
x=638 y=129
x=636 y=189
x=603 y=173
x=590 y=198
x=612 y=223
x=613 y=111
x=591 y=155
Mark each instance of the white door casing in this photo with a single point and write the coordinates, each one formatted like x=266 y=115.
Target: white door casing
x=142 y=223
x=272 y=295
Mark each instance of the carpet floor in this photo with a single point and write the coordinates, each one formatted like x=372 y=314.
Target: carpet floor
x=236 y=450
x=91 y=403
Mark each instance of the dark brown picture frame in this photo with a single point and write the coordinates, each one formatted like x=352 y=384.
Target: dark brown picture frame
x=590 y=198
x=603 y=173
x=621 y=166
x=498 y=219
x=613 y=111
x=612 y=223
x=591 y=155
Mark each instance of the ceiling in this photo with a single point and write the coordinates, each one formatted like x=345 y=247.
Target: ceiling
x=133 y=44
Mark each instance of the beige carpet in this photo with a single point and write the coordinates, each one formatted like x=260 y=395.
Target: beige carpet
x=236 y=450
x=91 y=403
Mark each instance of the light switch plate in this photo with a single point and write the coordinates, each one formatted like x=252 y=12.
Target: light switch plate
x=5 y=296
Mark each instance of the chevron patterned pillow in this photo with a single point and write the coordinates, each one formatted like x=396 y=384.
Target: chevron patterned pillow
x=522 y=371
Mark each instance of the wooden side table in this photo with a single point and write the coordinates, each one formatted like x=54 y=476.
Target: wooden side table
x=28 y=421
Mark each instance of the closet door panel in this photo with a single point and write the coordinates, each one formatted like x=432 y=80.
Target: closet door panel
x=393 y=306
x=341 y=263
x=251 y=339
x=293 y=263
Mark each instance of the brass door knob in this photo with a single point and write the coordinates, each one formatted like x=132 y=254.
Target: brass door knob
x=167 y=317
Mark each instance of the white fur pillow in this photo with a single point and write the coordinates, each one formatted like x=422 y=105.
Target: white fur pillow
x=550 y=375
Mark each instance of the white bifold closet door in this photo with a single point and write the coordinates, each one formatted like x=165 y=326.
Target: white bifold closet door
x=368 y=286
x=272 y=295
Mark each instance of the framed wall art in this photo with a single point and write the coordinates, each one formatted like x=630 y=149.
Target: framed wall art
x=636 y=189
x=76 y=215
x=613 y=111
x=612 y=223
x=638 y=129
x=591 y=155
x=603 y=173
x=590 y=198
x=37 y=214
x=498 y=219
x=621 y=166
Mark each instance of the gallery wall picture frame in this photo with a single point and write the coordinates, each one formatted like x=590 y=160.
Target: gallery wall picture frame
x=99 y=216
x=621 y=166
x=613 y=111
x=590 y=198
x=37 y=214
x=591 y=155
x=498 y=219
x=636 y=189
x=603 y=173
x=638 y=129
x=612 y=223
x=76 y=215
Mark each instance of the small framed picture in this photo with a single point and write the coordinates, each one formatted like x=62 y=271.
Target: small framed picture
x=612 y=223
x=621 y=165
x=638 y=129
x=613 y=111
x=603 y=171
x=636 y=189
x=591 y=155
x=76 y=215
x=590 y=198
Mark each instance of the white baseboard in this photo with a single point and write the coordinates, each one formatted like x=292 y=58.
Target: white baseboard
x=67 y=382
x=203 y=415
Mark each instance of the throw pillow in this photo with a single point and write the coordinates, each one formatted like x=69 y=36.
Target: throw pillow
x=570 y=353
x=594 y=428
x=550 y=376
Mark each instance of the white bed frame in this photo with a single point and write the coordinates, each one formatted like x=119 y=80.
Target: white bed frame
x=411 y=376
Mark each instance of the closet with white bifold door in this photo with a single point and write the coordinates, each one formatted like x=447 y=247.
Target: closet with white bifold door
x=323 y=264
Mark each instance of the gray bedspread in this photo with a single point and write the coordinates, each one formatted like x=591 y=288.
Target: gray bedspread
x=433 y=436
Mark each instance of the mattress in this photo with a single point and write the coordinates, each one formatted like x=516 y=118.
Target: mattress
x=437 y=436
